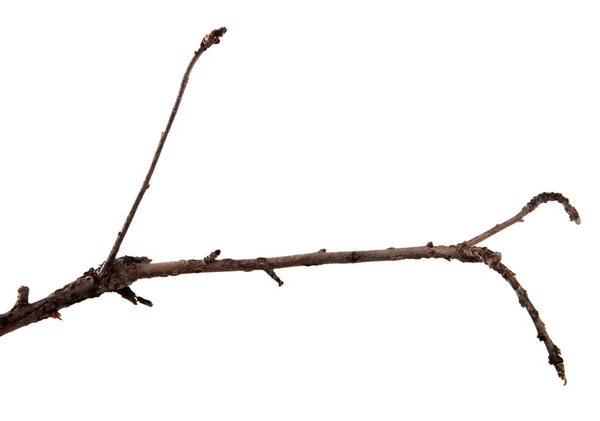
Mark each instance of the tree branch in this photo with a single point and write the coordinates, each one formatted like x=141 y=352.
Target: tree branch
x=118 y=274
x=127 y=269
x=213 y=38
x=527 y=209
x=492 y=259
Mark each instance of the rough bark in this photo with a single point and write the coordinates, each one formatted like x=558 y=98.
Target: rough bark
x=118 y=274
x=127 y=269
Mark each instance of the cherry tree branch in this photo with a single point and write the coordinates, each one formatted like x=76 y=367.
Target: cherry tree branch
x=213 y=38
x=527 y=209
x=127 y=269
x=118 y=274
x=492 y=259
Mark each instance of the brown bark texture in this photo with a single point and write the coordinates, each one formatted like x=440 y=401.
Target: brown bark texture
x=118 y=274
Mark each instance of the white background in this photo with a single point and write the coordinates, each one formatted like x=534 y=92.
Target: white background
x=338 y=125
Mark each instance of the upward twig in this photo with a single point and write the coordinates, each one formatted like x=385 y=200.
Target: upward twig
x=207 y=42
x=527 y=209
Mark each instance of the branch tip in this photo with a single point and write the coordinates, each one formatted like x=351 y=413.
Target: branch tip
x=22 y=296
x=493 y=261
x=131 y=296
x=145 y=302
x=553 y=197
x=527 y=209
x=213 y=38
x=557 y=361
x=212 y=257
x=273 y=275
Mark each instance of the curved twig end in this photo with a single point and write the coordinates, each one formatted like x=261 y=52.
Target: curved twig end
x=553 y=197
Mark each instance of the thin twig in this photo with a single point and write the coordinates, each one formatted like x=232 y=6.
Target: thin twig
x=118 y=275
x=527 y=209
x=207 y=42
x=492 y=259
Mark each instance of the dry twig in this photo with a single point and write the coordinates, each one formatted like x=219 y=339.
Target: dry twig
x=213 y=38
x=118 y=274
x=527 y=209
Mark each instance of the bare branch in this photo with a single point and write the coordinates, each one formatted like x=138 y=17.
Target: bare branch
x=213 y=38
x=127 y=269
x=492 y=259
x=118 y=274
x=527 y=209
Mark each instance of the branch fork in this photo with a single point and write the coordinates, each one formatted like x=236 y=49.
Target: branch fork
x=118 y=274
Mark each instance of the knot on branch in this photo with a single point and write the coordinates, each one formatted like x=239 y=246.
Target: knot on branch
x=487 y=256
x=479 y=254
x=93 y=274
x=53 y=315
x=492 y=259
x=22 y=297
x=212 y=257
x=123 y=272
